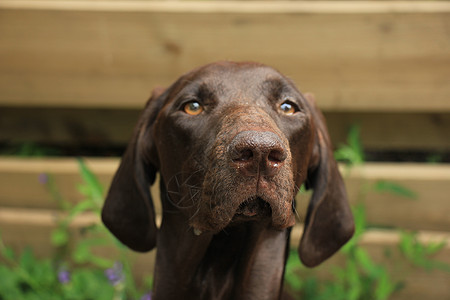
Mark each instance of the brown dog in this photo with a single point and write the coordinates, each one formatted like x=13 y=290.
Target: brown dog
x=233 y=143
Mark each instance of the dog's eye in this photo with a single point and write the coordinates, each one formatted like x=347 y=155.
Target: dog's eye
x=193 y=108
x=289 y=108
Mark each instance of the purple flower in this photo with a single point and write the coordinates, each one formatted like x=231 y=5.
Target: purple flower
x=147 y=296
x=115 y=274
x=43 y=178
x=63 y=276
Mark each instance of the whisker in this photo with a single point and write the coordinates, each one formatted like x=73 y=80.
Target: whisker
x=296 y=213
x=195 y=214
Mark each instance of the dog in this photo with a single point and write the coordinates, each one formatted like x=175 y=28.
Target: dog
x=233 y=143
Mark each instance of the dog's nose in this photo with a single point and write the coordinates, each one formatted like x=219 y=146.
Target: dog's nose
x=256 y=152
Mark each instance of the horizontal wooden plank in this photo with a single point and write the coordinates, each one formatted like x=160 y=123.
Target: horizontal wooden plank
x=390 y=59
x=431 y=208
x=257 y=7
x=31 y=228
x=15 y=174
x=43 y=217
x=103 y=128
x=47 y=218
x=429 y=211
x=65 y=177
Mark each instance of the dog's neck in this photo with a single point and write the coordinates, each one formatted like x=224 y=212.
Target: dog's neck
x=246 y=257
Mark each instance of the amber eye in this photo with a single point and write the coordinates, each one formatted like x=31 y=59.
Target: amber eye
x=193 y=108
x=288 y=108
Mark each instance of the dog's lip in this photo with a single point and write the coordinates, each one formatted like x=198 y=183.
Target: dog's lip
x=254 y=207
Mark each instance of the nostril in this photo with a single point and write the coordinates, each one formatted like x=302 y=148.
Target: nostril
x=276 y=156
x=243 y=155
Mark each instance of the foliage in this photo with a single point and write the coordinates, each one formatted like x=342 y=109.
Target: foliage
x=352 y=152
x=420 y=254
x=394 y=189
x=28 y=278
x=360 y=277
x=75 y=271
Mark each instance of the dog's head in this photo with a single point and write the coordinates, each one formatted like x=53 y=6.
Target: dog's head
x=233 y=142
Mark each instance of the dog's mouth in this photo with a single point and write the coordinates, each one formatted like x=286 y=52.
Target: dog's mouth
x=253 y=208
x=277 y=214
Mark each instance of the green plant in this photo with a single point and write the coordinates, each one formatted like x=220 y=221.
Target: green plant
x=352 y=153
x=93 y=235
x=75 y=272
x=420 y=254
x=360 y=277
x=25 y=277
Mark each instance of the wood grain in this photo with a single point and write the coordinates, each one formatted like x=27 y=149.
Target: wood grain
x=391 y=59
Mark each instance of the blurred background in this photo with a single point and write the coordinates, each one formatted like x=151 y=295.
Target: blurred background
x=74 y=76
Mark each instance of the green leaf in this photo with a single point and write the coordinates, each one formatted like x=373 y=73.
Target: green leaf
x=59 y=236
x=101 y=262
x=84 y=254
x=359 y=215
x=353 y=278
x=26 y=259
x=419 y=253
x=89 y=284
x=433 y=248
x=347 y=154
x=94 y=188
x=363 y=259
x=81 y=253
x=81 y=207
x=354 y=141
x=148 y=281
x=352 y=152
x=6 y=252
x=394 y=188
x=406 y=244
x=384 y=287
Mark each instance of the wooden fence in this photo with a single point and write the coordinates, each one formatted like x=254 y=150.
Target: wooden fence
x=77 y=73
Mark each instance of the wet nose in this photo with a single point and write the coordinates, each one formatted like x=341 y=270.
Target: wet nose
x=256 y=152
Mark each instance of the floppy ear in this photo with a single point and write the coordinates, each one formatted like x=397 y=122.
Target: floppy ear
x=128 y=209
x=329 y=221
